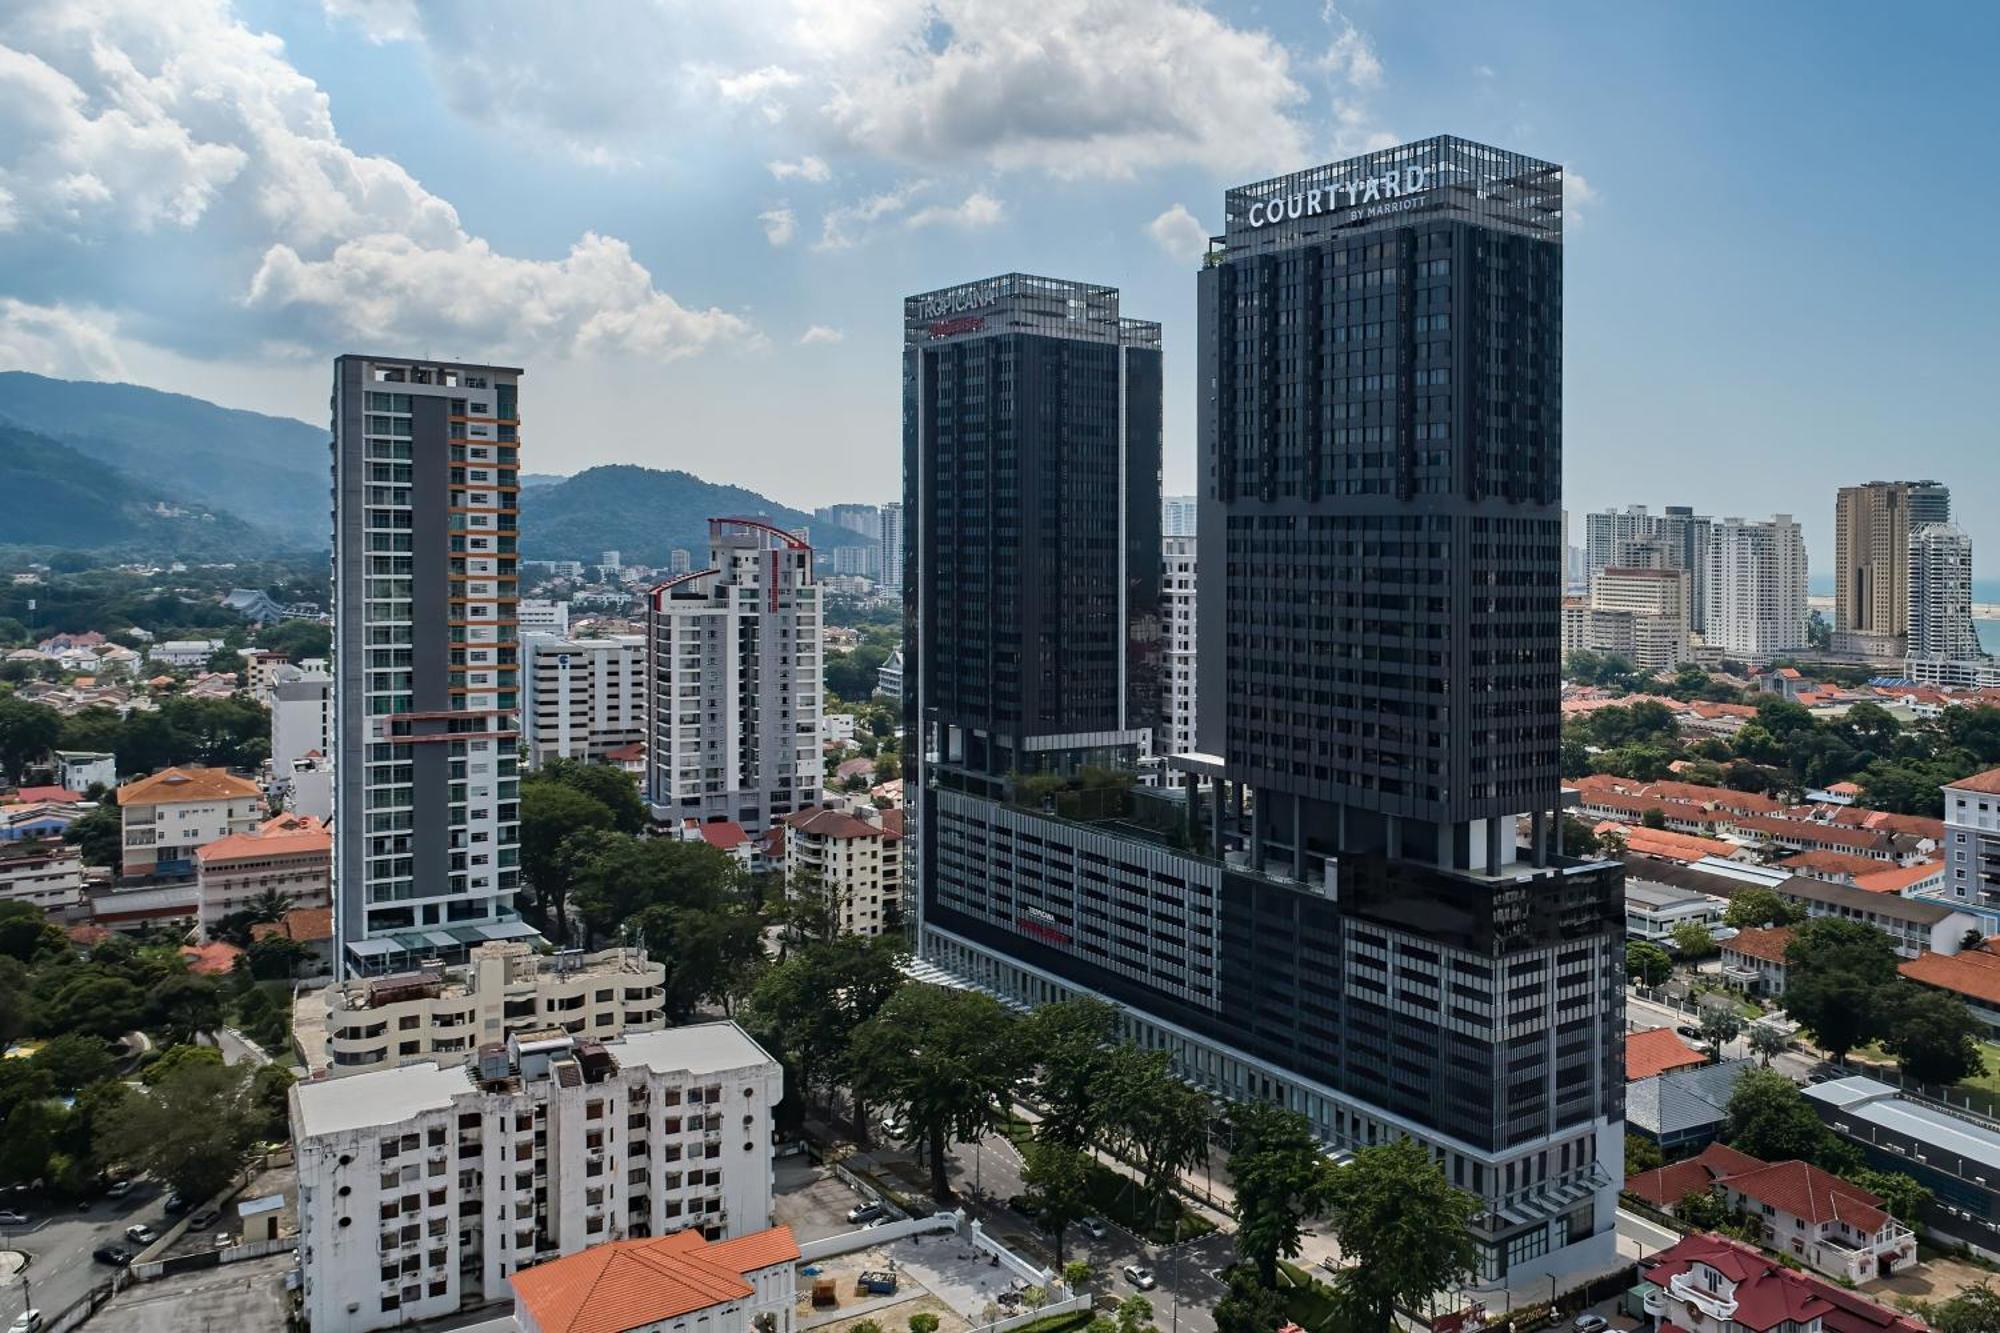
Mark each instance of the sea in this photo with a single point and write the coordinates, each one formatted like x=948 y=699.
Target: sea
x=1985 y=597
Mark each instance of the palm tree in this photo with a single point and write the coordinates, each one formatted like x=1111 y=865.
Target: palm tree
x=270 y=905
x=1767 y=1041
x=1718 y=1027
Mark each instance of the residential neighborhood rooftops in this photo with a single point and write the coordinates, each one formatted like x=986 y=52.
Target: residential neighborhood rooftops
x=1770 y=1295
x=1805 y=1191
x=281 y=835
x=1665 y=1186
x=819 y=821
x=1656 y=1050
x=1666 y=844
x=181 y=784
x=1972 y=973
x=1766 y=943
x=1684 y=1103
x=631 y=1284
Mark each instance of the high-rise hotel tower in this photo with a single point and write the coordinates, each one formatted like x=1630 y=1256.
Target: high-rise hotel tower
x=426 y=465
x=1351 y=898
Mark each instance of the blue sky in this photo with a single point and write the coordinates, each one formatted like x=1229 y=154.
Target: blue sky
x=692 y=223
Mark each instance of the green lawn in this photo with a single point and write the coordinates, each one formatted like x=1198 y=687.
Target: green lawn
x=1059 y=1323
x=1990 y=1080
x=1308 y=1302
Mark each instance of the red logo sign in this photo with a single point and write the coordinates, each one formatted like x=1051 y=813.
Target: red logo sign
x=944 y=328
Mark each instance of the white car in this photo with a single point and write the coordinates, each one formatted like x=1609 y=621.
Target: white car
x=119 y=1189
x=141 y=1234
x=1142 y=1278
x=12 y=1219
x=1093 y=1227
x=1590 y=1323
x=28 y=1321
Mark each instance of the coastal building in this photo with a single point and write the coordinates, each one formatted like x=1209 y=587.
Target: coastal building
x=1941 y=627
x=1872 y=528
x=1757 y=588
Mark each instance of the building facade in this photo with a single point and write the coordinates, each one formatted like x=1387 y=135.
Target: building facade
x=543 y=615
x=1178 y=515
x=583 y=697
x=1346 y=923
x=1872 y=524
x=446 y=1014
x=1177 y=622
x=42 y=872
x=289 y=856
x=167 y=816
x=301 y=719
x=892 y=546
x=423 y=1190
x=1972 y=841
x=1757 y=588
x=734 y=689
x=426 y=470
x=1650 y=607
x=1941 y=627
x=855 y=859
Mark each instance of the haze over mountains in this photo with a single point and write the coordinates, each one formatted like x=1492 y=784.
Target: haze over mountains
x=131 y=471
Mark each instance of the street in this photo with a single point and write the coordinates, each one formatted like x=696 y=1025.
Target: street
x=1645 y=1014
x=59 y=1241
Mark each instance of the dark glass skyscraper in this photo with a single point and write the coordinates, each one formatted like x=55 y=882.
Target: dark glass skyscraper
x=1351 y=899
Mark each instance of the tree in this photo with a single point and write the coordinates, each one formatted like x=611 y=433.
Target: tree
x=607 y=784
x=74 y=1061
x=1693 y=940
x=1759 y=907
x=1901 y=1194
x=27 y=732
x=1654 y=818
x=1248 y=1306
x=1933 y=1035
x=1135 y=1313
x=1719 y=1027
x=811 y=1006
x=1074 y=1274
x=551 y=813
x=1059 y=1178
x=99 y=838
x=1071 y=1041
x=1647 y=964
x=1769 y=1118
x=1281 y=1179
x=923 y=1321
x=270 y=906
x=26 y=934
x=270 y=1094
x=1836 y=971
x=947 y=1059
x=28 y=1139
x=1402 y=1227
x=1767 y=1041
x=190 y=1129
x=173 y=1059
x=94 y=1003
x=181 y=1008
x=276 y=957
x=1642 y=1155
x=1974 y=1310
x=1156 y=1118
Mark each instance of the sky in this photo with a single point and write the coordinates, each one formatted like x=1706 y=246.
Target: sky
x=693 y=223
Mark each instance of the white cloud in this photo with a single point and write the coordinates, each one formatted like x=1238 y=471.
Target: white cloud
x=845 y=226
x=171 y=113
x=756 y=83
x=780 y=225
x=807 y=168
x=979 y=209
x=1179 y=233
x=1350 y=57
x=58 y=340
x=820 y=333
x=1579 y=196
x=381 y=20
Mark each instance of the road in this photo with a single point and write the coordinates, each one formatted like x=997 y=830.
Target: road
x=59 y=1244
x=988 y=1173
x=1645 y=1013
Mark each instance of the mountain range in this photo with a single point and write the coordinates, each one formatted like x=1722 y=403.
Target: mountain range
x=126 y=470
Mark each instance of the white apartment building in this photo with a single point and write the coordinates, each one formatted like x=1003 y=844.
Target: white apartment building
x=540 y=615
x=584 y=697
x=1179 y=515
x=1655 y=603
x=1757 y=587
x=423 y=1190
x=290 y=855
x=184 y=654
x=301 y=718
x=734 y=683
x=1972 y=845
x=167 y=816
x=80 y=770
x=1177 y=616
x=426 y=459
x=857 y=858
x=42 y=872
x=446 y=1014
x=892 y=546
x=1940 y=594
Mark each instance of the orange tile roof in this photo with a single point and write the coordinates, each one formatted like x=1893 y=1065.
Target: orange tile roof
x=1897 y=878
x=1821 y=864
x=1766 y=943
x=1666 y=1186
x=1805 y=1191
x=1985 y=784
x=214 y=959
x=54 y=795
x=1655 y=1051
x=631 y=1284
x=1666 y=844
x=1973 y=973
x=281 y=835
x=174 y=785
x=1830 y=835
x=307 y=925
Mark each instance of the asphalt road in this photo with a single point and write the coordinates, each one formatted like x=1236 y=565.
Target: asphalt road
x=59 y=1244
x=1645 y=1013
x=987 y=1173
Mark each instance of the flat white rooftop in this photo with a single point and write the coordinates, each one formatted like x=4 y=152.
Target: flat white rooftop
x=700 y=1048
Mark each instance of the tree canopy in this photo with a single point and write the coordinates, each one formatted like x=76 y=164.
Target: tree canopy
x=1403 y=1230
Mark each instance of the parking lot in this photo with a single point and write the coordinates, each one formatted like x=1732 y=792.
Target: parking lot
x=59 y=1239
x=248 y=1295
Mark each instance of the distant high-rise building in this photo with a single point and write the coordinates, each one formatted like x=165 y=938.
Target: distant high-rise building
x=864 y=519
x=734 y=691
x=1872 y=523
x=679 y=561
x=612 y=560
x=426 y=457
x=1757 y=587
x=1177 y=622
x=858 y=561
x=1634 y=538
x=1688 y=536
x=582 y=697
x=1646 y=609
x=1606 y=532
x=543 y=615
x=1940 y=595
x=1178 y=515
x=892 y=546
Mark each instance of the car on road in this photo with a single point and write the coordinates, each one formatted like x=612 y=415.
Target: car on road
x=866 y=1212
x=1690 y=1031
x=204 y=1219
x=9 y=1218
x=115 y=1255
x=223 y=1240
x=141 y=1234
x=1142 y=1278
x=1027 y=1205
x=175 y=1203
x=1093 y=1227
x=1590 y=1323
x=119 y=1189
x=28 y=1321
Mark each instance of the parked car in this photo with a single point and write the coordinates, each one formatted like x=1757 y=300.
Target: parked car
x=115 y=1255
x=1589 y=1323
x=1690 y=1031
x=175 y=1203
x=223 y=1240
x=1025 y=1204
x=141 y=1234
x=1142 y=1278
x=1093 y=1227
x=28 y=1321
x=8 y=1218
x=119 y=1189
x=866 y=1212
x=204 y=1219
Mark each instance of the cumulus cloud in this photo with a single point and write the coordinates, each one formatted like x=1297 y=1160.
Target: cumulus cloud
x=755 y=83
x=173 y=114
x=846 y=225
x=807 y=168
x=1179 y=233
x=820 y=333
x=1579 y=197
x=58 y=340
x=780 y=225
x=979 y=209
